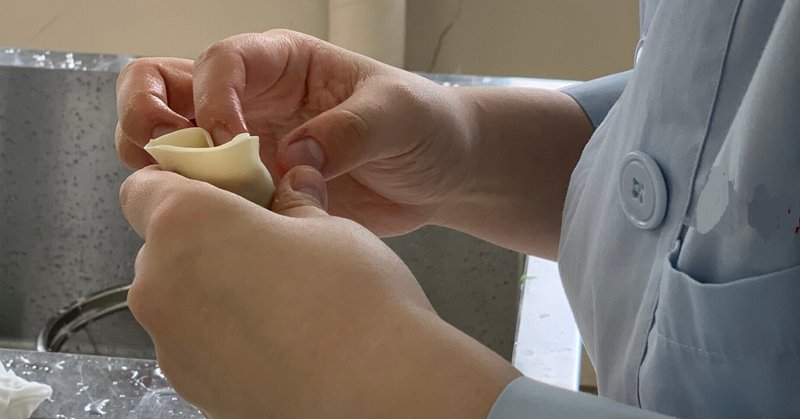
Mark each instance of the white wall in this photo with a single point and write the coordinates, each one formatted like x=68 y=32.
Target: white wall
x=150 y=27
x=375 y=28
x=568 y=39
x=574 y=39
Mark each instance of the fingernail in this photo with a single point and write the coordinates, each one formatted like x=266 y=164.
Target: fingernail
x=161 y=130
x=310 y=182
x=305 y=152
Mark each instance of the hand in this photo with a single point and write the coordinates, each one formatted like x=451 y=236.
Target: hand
x=392 y=145
x=292 y=313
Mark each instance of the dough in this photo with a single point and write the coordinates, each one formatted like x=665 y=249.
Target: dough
x=235 y=166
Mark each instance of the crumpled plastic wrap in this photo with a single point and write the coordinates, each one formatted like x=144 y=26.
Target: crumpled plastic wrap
x=19 y=397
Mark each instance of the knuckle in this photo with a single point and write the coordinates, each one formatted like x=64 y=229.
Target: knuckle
x=131 y=69
x=218 y=49
x=141 y=302
x=134 y=187
x=288 y=39
x=137 y=102
x=286 y=35
x=137 y=110
x=281 y=33
x=352 y=126
x=144 y=63
x=171 y=207
x=145 y=299
x=168 y=221
x=128 y=191
x=291 y=200
x=175 y=222
x=136 y=69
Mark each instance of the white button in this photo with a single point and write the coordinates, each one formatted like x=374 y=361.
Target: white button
x=638 y=53
x=642 y=190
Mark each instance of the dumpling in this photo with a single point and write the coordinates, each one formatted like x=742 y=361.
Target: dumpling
x=235 y=166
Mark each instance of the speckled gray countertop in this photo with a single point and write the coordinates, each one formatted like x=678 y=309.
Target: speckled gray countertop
x=93 y=386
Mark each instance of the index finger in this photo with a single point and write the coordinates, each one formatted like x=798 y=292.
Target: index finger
x=242 y=66
x=151 y=194
x=154 y=96
x=171 y=206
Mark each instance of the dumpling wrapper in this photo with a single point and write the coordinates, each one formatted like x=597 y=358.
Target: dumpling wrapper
x=234 y=166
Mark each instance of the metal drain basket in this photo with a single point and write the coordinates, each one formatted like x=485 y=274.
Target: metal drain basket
x=78 y=315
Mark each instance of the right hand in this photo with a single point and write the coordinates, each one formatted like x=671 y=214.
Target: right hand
x=392 y=145
x=265 y=314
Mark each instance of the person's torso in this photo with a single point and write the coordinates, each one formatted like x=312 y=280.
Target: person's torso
x=696 y=314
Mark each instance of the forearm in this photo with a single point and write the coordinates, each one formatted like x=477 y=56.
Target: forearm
x=526 y=143
x=421 y=367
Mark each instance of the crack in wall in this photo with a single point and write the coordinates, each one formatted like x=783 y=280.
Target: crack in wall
x=443 y=34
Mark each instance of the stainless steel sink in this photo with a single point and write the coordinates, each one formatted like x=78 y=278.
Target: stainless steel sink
x=62 y=235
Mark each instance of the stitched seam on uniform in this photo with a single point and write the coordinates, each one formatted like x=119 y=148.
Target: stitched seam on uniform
x=650 y=328
x=695 y=167
x=637 y=385
x=787 y=349
x=637 y=378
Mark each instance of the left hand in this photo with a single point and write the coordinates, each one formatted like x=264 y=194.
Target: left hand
x=393 y=145
x=292 y=313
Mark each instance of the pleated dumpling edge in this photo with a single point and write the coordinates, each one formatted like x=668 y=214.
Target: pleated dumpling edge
x=234 y=166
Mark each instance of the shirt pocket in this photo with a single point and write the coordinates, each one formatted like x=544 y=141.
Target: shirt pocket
x=724 y=350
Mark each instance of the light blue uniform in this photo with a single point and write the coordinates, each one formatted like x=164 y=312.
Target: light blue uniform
x=680 y=247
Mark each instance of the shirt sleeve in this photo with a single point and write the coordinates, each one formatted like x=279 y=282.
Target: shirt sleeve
x=597 y=96
x=525 y=398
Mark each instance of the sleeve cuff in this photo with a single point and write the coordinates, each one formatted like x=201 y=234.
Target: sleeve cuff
x=597 y=96
x=524 y=398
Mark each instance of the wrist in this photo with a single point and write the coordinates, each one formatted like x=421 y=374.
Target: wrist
x=524 y=144
x=482 y=183
x=467 y=134
x=422 y=367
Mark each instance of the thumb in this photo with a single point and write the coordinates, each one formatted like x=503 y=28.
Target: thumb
x=301 y=193
x=341 y=138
